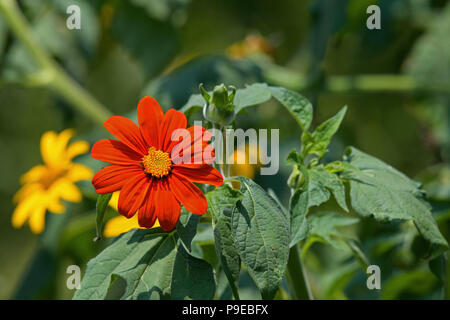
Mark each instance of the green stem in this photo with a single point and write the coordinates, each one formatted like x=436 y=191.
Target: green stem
x=51 y=74
x=281 y=76
x=226 y=166
x=296 y=277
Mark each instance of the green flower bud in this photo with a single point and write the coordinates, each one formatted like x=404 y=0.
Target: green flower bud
x=296 y=179
x=219 y=108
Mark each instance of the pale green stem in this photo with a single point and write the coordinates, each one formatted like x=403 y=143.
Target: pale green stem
x=294 y=80
x=51 y=74
x=226 y=166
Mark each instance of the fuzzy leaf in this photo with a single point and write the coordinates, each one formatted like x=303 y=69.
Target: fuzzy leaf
x=297 y=105
x=252 y=95
x=378 y=190
x=315 y=190
x=146 y=260
x=220 y=204
x=261 y=235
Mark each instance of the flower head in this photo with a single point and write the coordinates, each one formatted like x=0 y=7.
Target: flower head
x=45 y=185
x=150 y=180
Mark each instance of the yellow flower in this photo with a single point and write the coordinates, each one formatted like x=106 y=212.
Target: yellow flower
x=43 y=186
x=242 y=166
x=252 y=44
x=120 y=224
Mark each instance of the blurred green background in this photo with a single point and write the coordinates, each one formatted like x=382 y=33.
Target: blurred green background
x=395 y=81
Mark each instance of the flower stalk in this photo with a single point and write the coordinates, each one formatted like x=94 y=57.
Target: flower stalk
x=296 y=277
x=51 y=74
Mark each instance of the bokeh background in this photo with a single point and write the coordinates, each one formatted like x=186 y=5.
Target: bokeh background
x=395 y=82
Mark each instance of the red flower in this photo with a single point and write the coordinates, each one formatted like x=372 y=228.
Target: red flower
x=150 y=182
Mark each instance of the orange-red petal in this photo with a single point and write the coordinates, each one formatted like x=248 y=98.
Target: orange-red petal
x=133 y=194
x=114 y=152
x=113 y=177
x=147 y=213
x=187 y=193
x=167 y=209
x=150 y=117
x=173 y=120
x=128 y=132
x=196 y=143
x=201 y=173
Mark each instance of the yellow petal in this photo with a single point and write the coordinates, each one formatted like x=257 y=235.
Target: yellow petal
x=53 y=147
x=79 y=172
x=24 y=209
x=34 y=174
x=76 y=148
x=26 y=191
x=114 y=202
x=48 y=142
x=53 y=202
x=119 y=225
x=68 y=190
x=37 y=220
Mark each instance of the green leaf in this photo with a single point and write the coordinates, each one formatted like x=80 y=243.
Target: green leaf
x=146 y=260
x=318 y=182
x=220 y=204
x=194 y=104
x=261 y=235
x=294 y=158
x=318 y=142
x=192 y=278
x=101 y=206
x=324 y=225
x=298 y=207
x=297 y=105
x=187 y=227
x=378 y=190
x=329 y=181
x=275 y=197
x=252 y=95
x=358 y=253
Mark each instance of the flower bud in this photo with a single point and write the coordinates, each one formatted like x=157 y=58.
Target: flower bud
x=296 y=179
x=219 y=108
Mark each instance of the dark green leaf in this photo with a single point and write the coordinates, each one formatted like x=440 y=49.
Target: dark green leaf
x=187 y=227
x=192 y=277
x=220 y=204
x=101 y=206
x=146 y=260
x=261 y=234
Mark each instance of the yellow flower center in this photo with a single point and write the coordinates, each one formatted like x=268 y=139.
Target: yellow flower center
x=50 y=177
x=157 y=163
